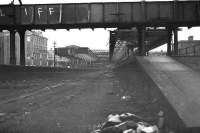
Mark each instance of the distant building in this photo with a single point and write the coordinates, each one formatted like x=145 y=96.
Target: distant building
x=82 y=53
x=78 y=56
x=59 y=60
x=189 y=47
x=35 y=48
x=188 y=43
x=103 y=55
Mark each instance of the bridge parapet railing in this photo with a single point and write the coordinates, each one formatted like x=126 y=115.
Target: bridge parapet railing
x=189 y=51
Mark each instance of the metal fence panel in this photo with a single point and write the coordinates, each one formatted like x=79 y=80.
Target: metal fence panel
x=125 y=12
x=69 y=14
x=96 y=13
x=82 y=13
x=166 y=11
x=138 y=14
x=189 y=11
x=152 y=11
x=111 y=13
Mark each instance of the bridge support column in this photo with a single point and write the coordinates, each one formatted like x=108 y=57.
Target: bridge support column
x=112 y=44
x=175 y=41
x=22 y=47
x=169 y=40
x=111 y=50
x=141 y=44
x=12 y=48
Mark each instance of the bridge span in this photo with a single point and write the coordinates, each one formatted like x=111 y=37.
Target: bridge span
x=103 y=15
x=122 y=15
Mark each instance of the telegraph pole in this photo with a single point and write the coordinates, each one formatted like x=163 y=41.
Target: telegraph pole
x=54 y=57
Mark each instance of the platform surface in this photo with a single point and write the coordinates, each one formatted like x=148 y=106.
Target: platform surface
x=179 y=84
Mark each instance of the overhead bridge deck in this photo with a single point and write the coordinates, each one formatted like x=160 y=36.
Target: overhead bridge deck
x=104 y=15
x=153 y=37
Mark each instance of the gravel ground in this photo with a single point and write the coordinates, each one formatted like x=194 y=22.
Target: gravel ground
x=77 y=102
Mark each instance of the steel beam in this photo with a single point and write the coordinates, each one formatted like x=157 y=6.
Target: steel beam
x=112 y=44
x=141 y=36
x=169 y=40
x=22 y=47
x=175 y=31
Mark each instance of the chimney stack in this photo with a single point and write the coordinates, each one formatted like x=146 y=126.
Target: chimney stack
x=190 y=38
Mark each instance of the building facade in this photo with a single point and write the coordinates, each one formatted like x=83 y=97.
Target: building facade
x=35 y=48
x=189 y=47
x=103 y=55
x=188 y=43
x=78 y=56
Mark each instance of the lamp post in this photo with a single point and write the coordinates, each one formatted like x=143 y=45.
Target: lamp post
x=54 y=58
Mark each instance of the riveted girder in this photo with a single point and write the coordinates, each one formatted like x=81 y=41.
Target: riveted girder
x=94 y=15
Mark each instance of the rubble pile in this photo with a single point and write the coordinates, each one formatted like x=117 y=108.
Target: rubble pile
x=126 y=123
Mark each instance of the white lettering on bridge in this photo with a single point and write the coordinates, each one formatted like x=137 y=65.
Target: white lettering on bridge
x=39 y=11
x=1 y=13
x=51 y=11
x=25 y=10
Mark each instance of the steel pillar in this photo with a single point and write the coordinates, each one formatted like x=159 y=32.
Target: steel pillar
x=169 y=40
x=12 y=48
x=22 y=47
x=141 y=44
x=175 y=41
x=111 y=50
x=112 y=44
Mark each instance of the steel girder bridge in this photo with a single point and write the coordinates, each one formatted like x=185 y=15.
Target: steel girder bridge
x=123 y=15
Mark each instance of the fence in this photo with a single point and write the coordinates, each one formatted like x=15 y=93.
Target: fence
x=190 y=51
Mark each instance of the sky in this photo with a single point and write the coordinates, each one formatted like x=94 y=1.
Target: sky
x=94 y=39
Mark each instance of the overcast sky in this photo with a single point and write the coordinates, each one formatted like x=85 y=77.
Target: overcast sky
x=94 y=39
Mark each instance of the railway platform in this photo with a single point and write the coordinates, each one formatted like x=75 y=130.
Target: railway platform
x=179 y=84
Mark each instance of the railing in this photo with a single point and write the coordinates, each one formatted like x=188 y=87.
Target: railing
x=190 y=51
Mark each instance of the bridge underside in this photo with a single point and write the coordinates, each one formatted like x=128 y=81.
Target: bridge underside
x=144 y=39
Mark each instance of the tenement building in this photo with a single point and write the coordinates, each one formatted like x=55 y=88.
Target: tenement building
x=35 y=48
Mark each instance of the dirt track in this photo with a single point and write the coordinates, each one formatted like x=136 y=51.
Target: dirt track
x=78 y=102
